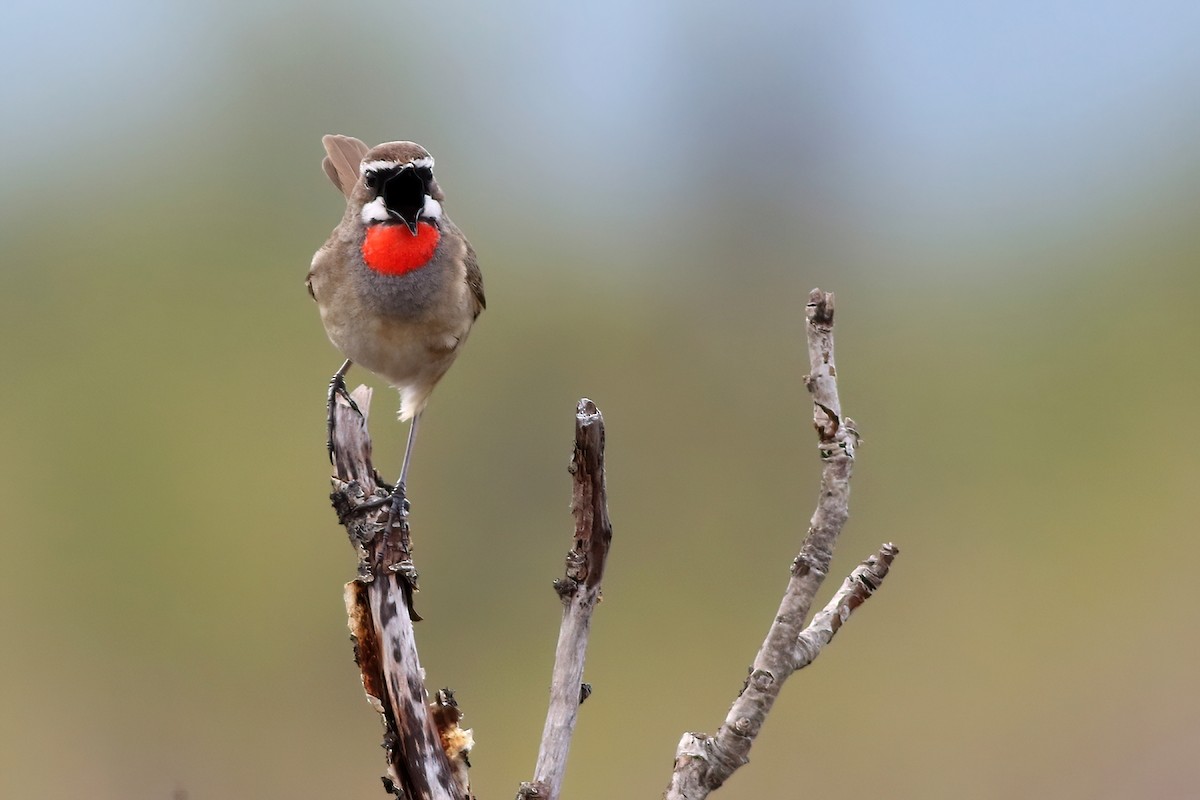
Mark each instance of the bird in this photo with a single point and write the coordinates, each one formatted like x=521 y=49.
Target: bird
x=397 y=283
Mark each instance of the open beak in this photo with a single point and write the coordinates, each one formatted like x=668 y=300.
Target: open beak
x=411 y=224
x=404 y=197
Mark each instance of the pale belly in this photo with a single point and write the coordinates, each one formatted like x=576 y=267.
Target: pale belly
x=411 y=356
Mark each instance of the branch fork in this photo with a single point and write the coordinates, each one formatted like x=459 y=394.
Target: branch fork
x=702 y=762
x=427 y=750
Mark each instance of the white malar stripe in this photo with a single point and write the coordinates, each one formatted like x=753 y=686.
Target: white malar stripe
x=375 y=211
x=375 y=166
x=432 y=209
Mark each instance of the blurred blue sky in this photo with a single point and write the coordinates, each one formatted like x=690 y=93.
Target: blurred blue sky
x=926 y=119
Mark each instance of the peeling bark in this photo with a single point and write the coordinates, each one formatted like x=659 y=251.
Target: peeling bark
x=702 y=762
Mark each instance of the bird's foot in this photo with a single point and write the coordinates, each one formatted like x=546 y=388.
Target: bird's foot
x=397 y=505
x=337 y=386
x=398 y=508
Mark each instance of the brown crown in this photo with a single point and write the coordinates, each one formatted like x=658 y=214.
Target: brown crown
x=400 y=152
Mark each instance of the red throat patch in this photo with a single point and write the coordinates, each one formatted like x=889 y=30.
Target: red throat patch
x=393 y=250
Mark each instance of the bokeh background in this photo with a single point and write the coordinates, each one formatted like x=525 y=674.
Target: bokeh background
x=1003 y=195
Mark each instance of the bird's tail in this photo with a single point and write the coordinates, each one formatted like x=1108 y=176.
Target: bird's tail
x=343 y=155
x=412 y=400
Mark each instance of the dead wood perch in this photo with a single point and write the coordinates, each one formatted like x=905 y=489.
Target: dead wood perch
x=579 y=590
x=703 y=762
x=425 y=747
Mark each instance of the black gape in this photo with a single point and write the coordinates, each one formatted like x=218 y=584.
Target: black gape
x=404 y=194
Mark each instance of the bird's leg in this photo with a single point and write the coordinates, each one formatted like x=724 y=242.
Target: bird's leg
x=408 y=448
x=396 y=499
x=399 y=501
x=337 y=385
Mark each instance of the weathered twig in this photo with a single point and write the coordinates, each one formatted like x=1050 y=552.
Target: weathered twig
x=426 y=750
x=858 y=586
x=579 y=590
x=702 y=762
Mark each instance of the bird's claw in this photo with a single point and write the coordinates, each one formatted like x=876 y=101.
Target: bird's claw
x=395 y=500
x=398 y=508
x=337 y=387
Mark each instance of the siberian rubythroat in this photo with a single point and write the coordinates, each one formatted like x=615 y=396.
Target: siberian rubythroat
x=397 y=283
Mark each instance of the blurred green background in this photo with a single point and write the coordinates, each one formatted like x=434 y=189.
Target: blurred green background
x=1003 y=196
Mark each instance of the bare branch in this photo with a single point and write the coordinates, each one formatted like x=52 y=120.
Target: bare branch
x=703 y=763
x=858 y=586
x=427 y=750
x=579 y=590
x=379 y=606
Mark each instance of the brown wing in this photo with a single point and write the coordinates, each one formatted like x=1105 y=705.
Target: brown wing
x=343 y=156
x=475 y=280
x=320 y=264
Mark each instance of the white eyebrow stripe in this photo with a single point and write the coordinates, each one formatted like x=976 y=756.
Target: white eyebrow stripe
x=425 y=162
